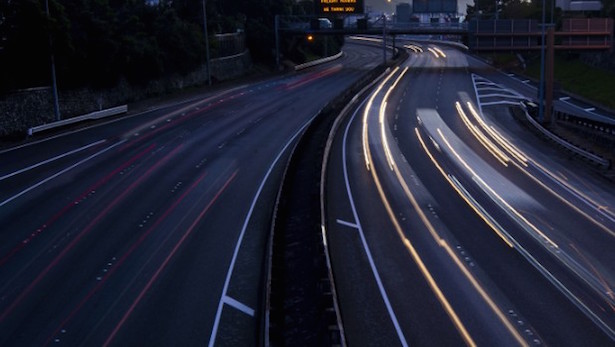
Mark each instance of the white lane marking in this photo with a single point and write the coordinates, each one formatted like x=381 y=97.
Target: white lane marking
x=590 y=109
x=608 y=119
x=564 y=98
x=59 y=173
x=501 y=103
x=51 y=159
x=526 y=81
x=348 y=224
x=214 y=330
x=498 y=95
x=383 y=294
x=474 y=83
x=238 y=305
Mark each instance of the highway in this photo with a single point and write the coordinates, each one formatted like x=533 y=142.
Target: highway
x=151 y=229
x=449 y=223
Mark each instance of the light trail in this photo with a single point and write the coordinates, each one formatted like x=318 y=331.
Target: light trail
x=480 y=211
x=365 y=132
x=524 y=159
x=439 y=240
x=484 y=140
x=494 y=194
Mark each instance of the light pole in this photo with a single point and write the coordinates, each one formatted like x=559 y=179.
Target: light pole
x=541 y=94
x=384 y=38
x=54 y=87
x=207 y=42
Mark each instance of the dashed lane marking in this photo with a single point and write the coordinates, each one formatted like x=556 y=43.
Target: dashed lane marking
x=238 y=305
x=348 y=224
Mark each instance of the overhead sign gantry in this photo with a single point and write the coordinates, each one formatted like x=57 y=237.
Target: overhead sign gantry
x=331 y=7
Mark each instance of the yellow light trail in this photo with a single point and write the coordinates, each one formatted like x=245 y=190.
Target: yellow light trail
x=381 y=119
x=487 y=219
x=442 y=243
x=497 y=137
x=495 y=194
x=365 y=133
x=435 y=53
x=451 y=253
x=489 y=146
x=515 y=152
x=417 y=259
x=437 y=49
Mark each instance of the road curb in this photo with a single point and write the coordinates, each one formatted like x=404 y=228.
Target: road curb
x=306 y=310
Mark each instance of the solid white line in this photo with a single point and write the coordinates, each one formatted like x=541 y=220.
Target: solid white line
x=480 y=106
x=214 y=330
x=59 y=173
x=238 y=305
x=497 y=95
x=383 y=294
x=348 y=224
x=501 y=103
x=50 y=160
x=609 y=119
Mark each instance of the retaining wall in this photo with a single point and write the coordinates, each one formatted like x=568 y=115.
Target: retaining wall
x=32 y=107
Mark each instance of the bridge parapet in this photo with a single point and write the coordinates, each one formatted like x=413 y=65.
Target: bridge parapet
x=519 y=35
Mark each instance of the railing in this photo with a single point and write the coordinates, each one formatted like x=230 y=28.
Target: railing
x=229 y=44
x=574 y=34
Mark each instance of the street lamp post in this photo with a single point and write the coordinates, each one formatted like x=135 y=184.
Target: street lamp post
x=207 y=42
x=384 y=38
x=54 y=86
x=541 y=94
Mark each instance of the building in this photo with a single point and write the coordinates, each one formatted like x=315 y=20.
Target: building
x=403 y=12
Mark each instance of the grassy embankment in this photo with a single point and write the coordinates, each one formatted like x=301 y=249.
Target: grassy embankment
x=573 y=76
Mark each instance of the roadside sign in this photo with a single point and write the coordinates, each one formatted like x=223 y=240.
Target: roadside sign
x=332 y=7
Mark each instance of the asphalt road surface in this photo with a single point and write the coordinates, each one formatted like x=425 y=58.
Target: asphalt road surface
x=151 y=229
x=449 y=223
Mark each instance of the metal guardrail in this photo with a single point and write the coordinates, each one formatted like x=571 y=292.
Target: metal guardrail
x=579 y=151
x=592 y=125
x=318 y=61
x=90 y=116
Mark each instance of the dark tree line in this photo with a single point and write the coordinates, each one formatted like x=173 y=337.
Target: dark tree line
x=97 y=43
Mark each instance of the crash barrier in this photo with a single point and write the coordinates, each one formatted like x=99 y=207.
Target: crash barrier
x=591 y=125
x=592 y=157
x=318 y=61
x=90 y=116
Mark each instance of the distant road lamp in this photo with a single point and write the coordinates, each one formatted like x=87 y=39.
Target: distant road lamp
x=206 y=42
x=54 y=87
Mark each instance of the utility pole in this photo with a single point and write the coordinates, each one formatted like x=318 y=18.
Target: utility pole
x=384 y=38
x=541 y=93
x=207 y=42
x=54 y=85
x=277 y=42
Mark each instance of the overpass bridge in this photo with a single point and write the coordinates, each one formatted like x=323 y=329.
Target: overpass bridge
x=577 y=34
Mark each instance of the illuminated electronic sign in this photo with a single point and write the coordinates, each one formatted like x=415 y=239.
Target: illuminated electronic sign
x=327 y=7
